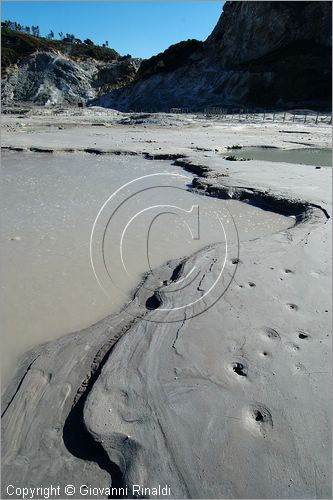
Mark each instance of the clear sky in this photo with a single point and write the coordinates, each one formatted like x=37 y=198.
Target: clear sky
x=141 y=29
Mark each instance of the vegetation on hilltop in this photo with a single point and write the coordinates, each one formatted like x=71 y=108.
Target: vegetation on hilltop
x=16 y=45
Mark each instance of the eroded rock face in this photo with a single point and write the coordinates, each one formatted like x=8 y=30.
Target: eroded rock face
x=47 y=78
x=250 y=30
x=273 y=54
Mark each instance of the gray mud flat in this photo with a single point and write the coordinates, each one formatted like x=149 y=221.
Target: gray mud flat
x=47 y=274
x=214 y=384
x=194 y=404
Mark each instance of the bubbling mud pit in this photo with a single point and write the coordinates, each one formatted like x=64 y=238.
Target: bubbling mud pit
x=49 y=206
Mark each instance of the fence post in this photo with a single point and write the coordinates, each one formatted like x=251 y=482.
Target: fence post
x=274 y=116
x=264 y=115
x=306 y=114
x=317 y=117
x=294 y=117
x=284 y=116
x=331 y=119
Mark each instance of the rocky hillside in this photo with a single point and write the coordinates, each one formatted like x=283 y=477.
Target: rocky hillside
x=263 y=54
x=49 y=72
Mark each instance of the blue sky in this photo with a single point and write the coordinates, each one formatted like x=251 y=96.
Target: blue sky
x=141 y=29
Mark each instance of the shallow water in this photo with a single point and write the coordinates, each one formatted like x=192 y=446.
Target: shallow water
x=317 y=157
x=60 y=276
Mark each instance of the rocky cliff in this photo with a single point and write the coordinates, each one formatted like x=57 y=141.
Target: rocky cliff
x=52 y=72
x=250 y=30
x=274 y=54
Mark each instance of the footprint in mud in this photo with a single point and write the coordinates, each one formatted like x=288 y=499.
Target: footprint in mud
x=259 y=418
x=272 y=334
x=292 y=307
x=251 y=284
x=288 y=271
x=235 y=261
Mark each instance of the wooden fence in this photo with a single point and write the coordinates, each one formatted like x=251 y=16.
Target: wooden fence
x=252 y=115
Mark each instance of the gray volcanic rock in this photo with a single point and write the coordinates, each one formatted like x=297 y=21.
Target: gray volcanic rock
x=48 y=78
x=259 y=54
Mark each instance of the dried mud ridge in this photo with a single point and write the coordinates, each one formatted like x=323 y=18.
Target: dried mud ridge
x=18 y=386
x=96 y=151
x=301 y=210
x=77 y=439
x=210 y=183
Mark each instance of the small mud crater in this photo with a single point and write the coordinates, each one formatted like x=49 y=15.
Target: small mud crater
x=260 y=418
x=154 y=301
x=299 y=368
x=272 y=334
x=292 y=307
x=177 y=272
x=251 y=284
x=235 y=261
x=303 y=335
x=288 y=271
x=240 y=369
